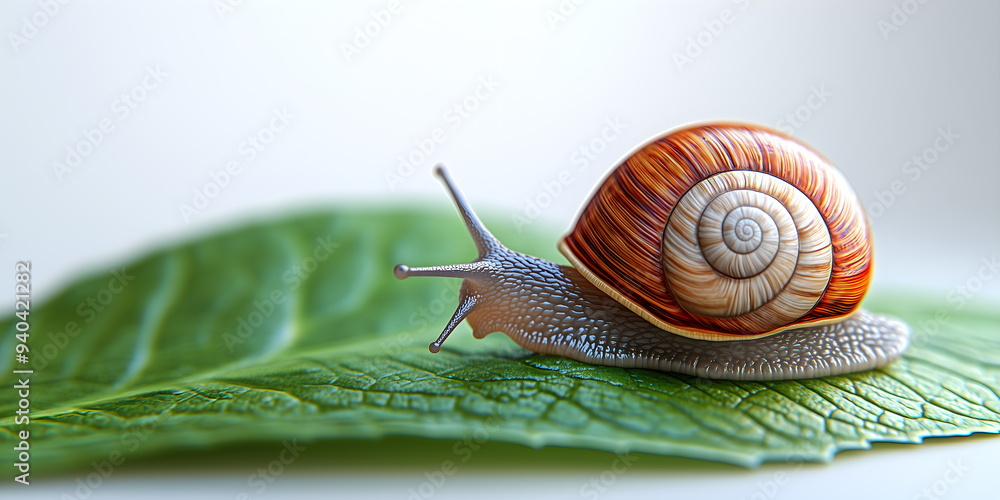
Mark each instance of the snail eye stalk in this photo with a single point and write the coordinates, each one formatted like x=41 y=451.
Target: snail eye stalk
x=479 y=269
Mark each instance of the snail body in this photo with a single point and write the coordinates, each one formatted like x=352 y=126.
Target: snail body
x=722 y=251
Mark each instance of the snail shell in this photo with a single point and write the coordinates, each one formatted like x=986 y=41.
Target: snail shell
x=724 y=232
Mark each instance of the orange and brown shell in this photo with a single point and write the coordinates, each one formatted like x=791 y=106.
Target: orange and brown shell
x=726 y=232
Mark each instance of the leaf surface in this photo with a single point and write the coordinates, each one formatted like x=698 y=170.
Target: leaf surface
x=296 y=329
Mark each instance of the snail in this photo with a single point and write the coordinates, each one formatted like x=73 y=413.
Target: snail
x=719 y=250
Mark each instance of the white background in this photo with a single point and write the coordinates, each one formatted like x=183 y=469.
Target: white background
x=890 y=86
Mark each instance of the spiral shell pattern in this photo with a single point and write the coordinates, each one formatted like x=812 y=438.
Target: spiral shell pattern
x=725 y=232
x=747 y=245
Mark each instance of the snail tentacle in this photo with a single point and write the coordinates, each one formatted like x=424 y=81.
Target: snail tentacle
x=484 y=240
x=482 y=270
x=465 y=305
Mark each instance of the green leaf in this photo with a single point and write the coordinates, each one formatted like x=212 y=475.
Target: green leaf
x=296 y=329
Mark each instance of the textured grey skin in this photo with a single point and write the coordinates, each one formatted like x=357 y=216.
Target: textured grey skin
x=553 y=309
